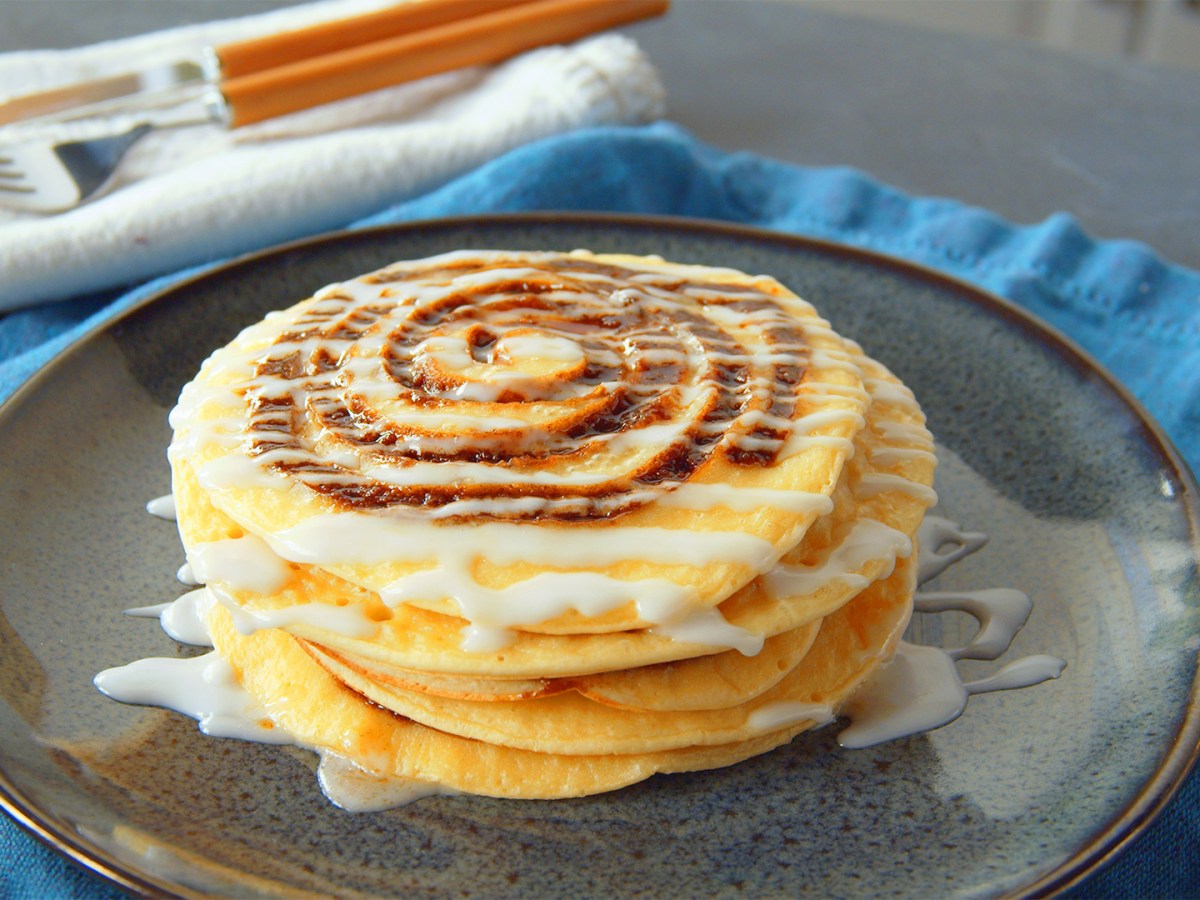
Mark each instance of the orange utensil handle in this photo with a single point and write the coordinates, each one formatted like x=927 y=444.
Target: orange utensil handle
x=258 y=54
x=477 y=40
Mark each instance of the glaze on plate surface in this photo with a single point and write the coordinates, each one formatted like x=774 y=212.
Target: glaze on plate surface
x=1085 y=509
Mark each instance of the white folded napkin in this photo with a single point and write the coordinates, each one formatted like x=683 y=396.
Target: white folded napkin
x=190 y=195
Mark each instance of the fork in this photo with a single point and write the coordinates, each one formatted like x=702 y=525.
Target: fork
x=50 y=177
x=46 y=175
x=39 y=174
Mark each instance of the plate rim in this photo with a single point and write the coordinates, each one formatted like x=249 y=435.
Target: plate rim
x=1107 y=842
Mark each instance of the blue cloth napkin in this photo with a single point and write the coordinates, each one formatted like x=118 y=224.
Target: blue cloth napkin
x=1138 y=315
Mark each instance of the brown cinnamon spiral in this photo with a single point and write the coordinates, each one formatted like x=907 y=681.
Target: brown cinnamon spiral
x=512 y=385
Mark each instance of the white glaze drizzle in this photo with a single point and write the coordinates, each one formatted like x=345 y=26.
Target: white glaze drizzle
x=244 y=563
x=162 y=507
x=349 y=786
x=1001 y=613
x=494 y=612
x=346 y=620
x=183 y=618
x=694 y=495
x=942 y=543
x=1024 y=672
x=867 y=540
x=352 y=537
x=921 y=689
x=204 y=688
x=773 y=716
x=883 y=482
x=890 y=455
x=709 y=627
x=918 y=691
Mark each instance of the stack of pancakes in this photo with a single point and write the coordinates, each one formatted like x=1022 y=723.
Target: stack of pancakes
x=542 y=525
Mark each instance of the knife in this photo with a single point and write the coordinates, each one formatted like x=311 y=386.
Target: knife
x=240 y=58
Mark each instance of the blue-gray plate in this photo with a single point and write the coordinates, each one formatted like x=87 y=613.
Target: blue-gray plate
x=1088 y=511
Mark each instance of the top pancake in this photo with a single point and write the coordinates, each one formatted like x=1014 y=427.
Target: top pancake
x=583 y=443
x=880 y=500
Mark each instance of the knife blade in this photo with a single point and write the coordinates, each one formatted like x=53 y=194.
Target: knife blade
x=98 y=95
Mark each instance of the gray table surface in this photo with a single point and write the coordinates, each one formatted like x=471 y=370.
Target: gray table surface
x=1018 y=129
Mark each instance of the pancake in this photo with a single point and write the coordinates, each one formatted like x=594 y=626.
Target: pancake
x=573 y=724
x=453 y=433
x=711 y=681
x=326 y=714
x=856 y=543
x=542 y=525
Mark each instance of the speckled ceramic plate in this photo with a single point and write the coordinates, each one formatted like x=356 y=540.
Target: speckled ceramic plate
x=1087 y=510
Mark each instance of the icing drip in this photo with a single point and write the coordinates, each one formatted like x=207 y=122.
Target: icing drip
x=206 y=689
x=867 y=540
x=710 y=627
x=358 y=537
x=942 y=544
x=201 y=687
x=921 y=689
x=162 y=507
x=325 y=616
x=354 y=789
x=1001 y=613
x=918 y=691
x=774 y=716
x=182 y=619
x=245 y=563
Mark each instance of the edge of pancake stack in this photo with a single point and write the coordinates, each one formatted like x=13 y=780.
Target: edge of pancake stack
x=541 y=525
